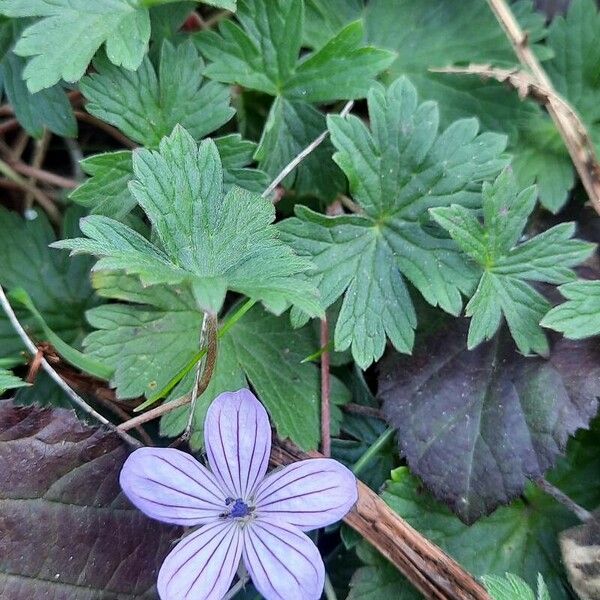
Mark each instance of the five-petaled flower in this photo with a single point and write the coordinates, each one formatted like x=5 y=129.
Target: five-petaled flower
x=243 y=513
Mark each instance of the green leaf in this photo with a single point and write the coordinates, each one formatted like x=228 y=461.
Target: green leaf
x=59 y=287
x=63 y=42
x=324 y=18
x=476 y=425
x=146 y=341
x=146 y=104
x=574 y=67
x=107 y=193
x=541 y=158
x=210 y=240
x=579 y=316
x=505 y=265
x=396 y=172
x=49 y=108
x=433 y=33
x=511 y=587
x=225 y=4
x=262 y=54
x=8 y=381
x=60 y=481
x=268 y=353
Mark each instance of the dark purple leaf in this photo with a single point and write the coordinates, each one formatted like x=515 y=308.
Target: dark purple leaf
x=475 y=425
x=66 y=531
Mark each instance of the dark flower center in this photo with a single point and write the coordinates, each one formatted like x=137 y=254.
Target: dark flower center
x=238 y=509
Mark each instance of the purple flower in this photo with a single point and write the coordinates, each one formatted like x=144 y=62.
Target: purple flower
x=243 y=513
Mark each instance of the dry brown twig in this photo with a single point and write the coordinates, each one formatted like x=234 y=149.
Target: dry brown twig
x=568 y=123
x=425 y=565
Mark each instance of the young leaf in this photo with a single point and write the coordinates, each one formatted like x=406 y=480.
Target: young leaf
x=512 y=587
x=63 y=42
x=475 y=425
x=396 y=172
x=147 y=103
x=60 y=481
x=107 y=192
x=579 y=316
x=8 y=381
x=59 y=287
x=263 y=54
x=506 y=266
x=212 y=241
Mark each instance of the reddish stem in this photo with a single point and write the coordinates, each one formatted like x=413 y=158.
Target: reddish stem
x=325 y=391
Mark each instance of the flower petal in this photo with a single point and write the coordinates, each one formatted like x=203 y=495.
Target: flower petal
x=237 y=437
x=308 y=494
x=282 y=561
x=203 y=564
x=171 y=486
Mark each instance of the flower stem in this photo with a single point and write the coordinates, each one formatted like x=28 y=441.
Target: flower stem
x=238 y=587
x=373 y=450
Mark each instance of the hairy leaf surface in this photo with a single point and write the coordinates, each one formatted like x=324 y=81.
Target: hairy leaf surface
x=396 y=171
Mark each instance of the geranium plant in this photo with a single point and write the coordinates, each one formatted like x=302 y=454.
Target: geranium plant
x=354 y=240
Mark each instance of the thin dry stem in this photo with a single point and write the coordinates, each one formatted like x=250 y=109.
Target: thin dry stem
x=73 y=396
x=425 y=565
x=42 y=175
x=302 y=155
x=572 y=130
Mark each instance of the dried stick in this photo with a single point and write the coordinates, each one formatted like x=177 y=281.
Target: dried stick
x=163 y=409
x=325 y=391
x=42 y=175
x=39 y=154
x=73 y=396
x=44 y=201
x=424 y=564
x=302 y=155
x=363 y=411
x=572 y=131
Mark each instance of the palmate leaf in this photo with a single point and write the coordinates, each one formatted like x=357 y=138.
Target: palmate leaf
x=579 y=316
x=396 y=172
x=475 y=425
x=63 y=511
x=506 y=265
x=147 y=103
x=210 y=240
x=63 y=42
x=152 y=337
x=107 y=192
x=263 y=54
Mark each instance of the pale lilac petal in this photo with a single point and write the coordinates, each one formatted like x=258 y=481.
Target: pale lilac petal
x=308 y=494
x=237 y=437
x=202 y=565
x=171 y=486
x=282 y=561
